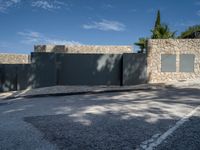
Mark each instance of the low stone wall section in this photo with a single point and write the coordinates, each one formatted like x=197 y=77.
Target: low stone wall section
x=85 y=49
x=14 y=58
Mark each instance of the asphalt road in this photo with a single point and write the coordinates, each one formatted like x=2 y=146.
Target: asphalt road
x=156 y=119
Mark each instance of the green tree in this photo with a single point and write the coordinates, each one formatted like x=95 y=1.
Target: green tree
x=157 y=23
x=142 y=44
x=189 y=31
x=162 y=32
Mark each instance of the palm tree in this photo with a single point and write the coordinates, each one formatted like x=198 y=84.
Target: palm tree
x=162 y=32
x=142 y=43
x=189 y=31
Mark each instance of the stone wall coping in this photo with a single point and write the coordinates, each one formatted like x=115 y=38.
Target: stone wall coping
x=13 y=58
x=14 y=54
x=83 y=45
x=84 y=48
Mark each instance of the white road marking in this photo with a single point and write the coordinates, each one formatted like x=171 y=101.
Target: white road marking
x=145 y=144
x=160 y=139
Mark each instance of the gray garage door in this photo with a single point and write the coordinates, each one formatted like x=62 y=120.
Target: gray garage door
x=134 y=69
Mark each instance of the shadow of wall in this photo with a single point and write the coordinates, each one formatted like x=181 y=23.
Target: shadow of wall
x=15 y=77
x=25 y=76
x=43 y=68
x=8 y=77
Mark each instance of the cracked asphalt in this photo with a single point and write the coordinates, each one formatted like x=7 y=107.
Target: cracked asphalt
x=119 y=120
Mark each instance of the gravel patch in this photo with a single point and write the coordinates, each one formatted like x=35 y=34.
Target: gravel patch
x=102 y=132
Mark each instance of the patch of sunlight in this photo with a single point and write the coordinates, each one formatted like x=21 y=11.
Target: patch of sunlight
x=62 y=110
x=13 y=110
x=106 y=61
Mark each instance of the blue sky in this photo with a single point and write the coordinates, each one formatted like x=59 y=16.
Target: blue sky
x=24 y=23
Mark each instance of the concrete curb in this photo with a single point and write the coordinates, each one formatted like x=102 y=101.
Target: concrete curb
x=82 y=92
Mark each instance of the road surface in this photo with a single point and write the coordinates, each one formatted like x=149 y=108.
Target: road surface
x=143 y=120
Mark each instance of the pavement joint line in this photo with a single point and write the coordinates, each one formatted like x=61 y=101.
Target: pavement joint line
x=163 y=137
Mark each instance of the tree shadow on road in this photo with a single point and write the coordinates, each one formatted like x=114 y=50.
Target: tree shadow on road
x=120 y=120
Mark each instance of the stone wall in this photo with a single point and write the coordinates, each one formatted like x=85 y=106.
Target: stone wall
x=171 y=46
x=87 y=49
x=14 y=59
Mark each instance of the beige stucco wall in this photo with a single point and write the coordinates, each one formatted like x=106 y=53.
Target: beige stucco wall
x=14 y=58
x=170 y=46
x=83 y=49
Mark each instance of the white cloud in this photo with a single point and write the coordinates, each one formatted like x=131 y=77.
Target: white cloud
x=133 y=10
x=43 y=4
x=197 y=3
x=48 y=4
x=62 y=42
x=108 y=6
x=184 y=23
x=151 y=10
x=6 y=4
x=198 y=12
x=32 y=37
x=106 y=25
